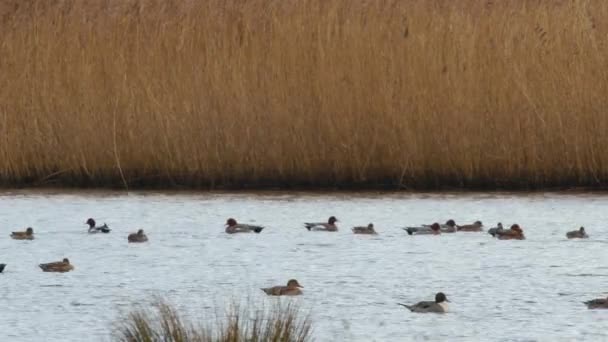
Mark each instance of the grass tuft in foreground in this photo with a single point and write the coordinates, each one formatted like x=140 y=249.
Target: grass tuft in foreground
x=281 y=323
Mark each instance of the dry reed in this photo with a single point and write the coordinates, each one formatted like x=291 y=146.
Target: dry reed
x=234 y=93
x=283 y=323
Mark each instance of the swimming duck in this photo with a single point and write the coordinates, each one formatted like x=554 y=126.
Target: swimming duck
x=94 y=230
x=329 y=226
x=475 y=227
x=438 y=306
x=138 y=237
x=2 y=266
x=600 y=303
x=59 y=266
x=28 y=234
x=514 y=233
x=292 y=289
x=577 y=234
x=448 y=227
x=433 y=229
x=495 y=230
x=365 y=230
x=233 y=227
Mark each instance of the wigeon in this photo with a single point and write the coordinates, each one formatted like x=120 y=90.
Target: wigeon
x=329 y=226
x=438 y=306
x=292 y=289
x=577 y=234
x=59 y=266
x=233 y=227
x=28 y=234
x=137 y=237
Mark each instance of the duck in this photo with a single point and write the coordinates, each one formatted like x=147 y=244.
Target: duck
x=600 y=303
x=513 y=233
x=28 y=234
x=365 y=230
x=233 y=227
x=2 y=266
x=329 y=226
x=138 y=237
x=438 y=306
x=448 y=227
x=433 y=229
x=577 y=234
x=292 y=289
x=477 y=226
x=94 y=230
x=59 y=266
x=495 y=230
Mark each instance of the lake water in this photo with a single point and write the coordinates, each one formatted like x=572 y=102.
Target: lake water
x=529 y=290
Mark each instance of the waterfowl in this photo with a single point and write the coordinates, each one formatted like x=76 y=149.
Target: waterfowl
x=138 y=237
x=233 y=227
x=365 y=230
x=495 y=230
x=292 y=289
x=514 y=233
x=94 y=230
x=475 y=227
x=433 y=229
x=577 y=234
x=28 y=234
x=448 y=227
x=438 y=306
x=2 y=266
x=600 y=303
x=59 y=266
x=329 y=226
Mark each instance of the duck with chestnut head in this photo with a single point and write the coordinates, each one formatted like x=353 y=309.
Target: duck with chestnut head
x=329 y=226
x=233 y=227
x=28 y=234
x=513 y=233
x=94 y=229
x=292 y=289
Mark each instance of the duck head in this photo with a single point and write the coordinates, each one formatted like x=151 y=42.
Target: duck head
x=91 y=223
x=66 y=260
x=332 y=220
x=292 y=283
x=140 y=232
x=450 y=223
x=435 y=226
x=478 y=223
x=582 y=230
x=499 y=225
x=516 y=228
x=370 y=226
x=231 y=222
x=440 y=298
x=29 y=231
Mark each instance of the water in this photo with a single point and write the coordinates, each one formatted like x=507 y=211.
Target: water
x=527 y=290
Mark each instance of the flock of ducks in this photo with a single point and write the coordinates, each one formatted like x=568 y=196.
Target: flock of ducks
x=293 y=287
x=64 y=265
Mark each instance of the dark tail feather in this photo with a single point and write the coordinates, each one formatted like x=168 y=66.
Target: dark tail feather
x=2 y=266
x=308 y=226
x=410 y=231
x=258 y=229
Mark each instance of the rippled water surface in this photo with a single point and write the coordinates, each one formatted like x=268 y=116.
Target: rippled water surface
x=500 y=290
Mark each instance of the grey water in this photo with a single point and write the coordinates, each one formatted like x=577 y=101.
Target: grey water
x=530 y=290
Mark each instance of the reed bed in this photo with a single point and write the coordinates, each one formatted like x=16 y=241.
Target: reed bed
x=298 y=93
x=163 y=322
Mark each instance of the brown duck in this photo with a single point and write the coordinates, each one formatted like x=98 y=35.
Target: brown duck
x=59 y=266
x=292 y=289
x=28 y=234
x=138 y=237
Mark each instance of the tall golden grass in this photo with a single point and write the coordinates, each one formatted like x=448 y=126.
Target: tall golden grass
x=231 y=93
x=163 y=322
